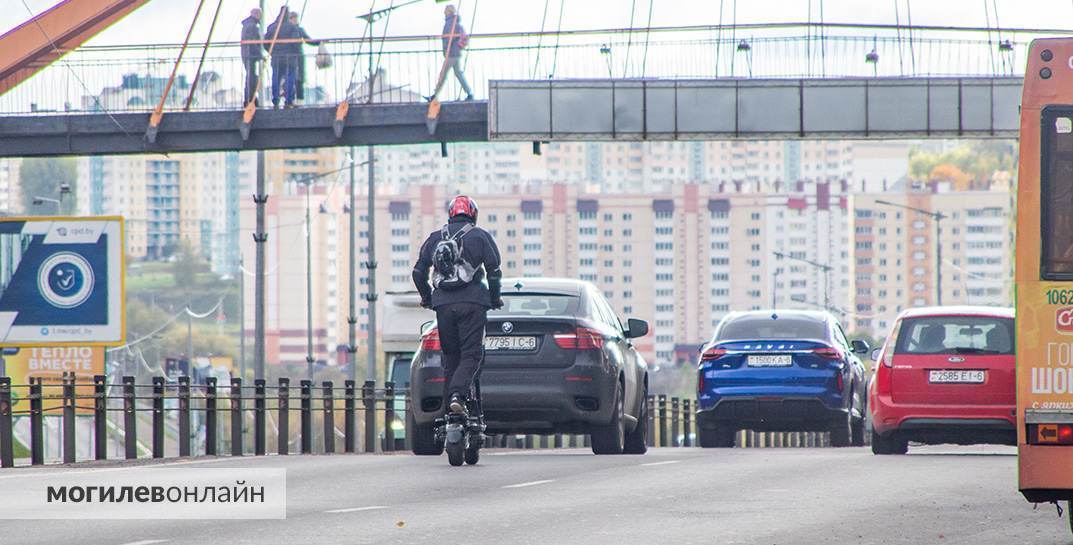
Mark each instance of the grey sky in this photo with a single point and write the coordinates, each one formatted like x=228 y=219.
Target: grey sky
x=167 y=20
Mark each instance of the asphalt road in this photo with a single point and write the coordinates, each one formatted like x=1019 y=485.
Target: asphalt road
x=943 y=495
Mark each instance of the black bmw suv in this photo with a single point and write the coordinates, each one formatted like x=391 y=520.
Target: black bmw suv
x=557 y=360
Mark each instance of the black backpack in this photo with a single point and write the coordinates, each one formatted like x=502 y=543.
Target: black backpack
x=450 y=270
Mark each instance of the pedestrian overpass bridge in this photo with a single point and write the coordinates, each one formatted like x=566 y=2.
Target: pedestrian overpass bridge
x=703 y=82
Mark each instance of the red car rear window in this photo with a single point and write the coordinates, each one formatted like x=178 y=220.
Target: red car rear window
x=955 y=335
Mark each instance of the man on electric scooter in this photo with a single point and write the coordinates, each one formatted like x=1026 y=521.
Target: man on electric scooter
x=466 y=283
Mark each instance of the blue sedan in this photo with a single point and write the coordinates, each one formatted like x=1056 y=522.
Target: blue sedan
x=786 y=370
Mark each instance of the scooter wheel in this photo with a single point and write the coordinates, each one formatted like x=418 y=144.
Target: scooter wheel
x=455 y=454
x=473 y=455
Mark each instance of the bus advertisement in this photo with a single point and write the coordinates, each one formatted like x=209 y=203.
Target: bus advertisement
x=1044 y=275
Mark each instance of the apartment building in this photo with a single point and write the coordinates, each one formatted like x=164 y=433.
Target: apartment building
x=895 y=255
x=9 y=186
x=680 y=260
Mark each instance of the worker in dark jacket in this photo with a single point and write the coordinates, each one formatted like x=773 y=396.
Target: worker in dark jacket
x=251 y=51
x=285 y=54
x=454 y=41
x=466 y=283
x=300 y=80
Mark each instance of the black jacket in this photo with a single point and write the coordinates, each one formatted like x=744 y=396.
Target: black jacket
x=478 y=248
x=452 y=45
x=251 y=31
x=287 y=31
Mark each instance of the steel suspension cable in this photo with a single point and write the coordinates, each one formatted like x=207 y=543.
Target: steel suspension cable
x=823 y=44
x=380 y=53
x=558 y=34
x=204 y=53
x=898 y=26
x=175 y=69
x=733 y=36
x=648 y=38
x=629 y=41
x=472 y=22
x=357 y=54
x=719 y=38
x=990 y=51
x=540 y=41
x=909 y=23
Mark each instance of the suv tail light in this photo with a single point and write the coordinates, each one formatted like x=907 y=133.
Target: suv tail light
x=827 y=353
x=582 y=338
x=700 y=380
x=713 y=353
x=431 y=341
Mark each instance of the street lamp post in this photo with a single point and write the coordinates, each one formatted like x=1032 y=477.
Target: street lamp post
x=371 y=264
x=308 y=182
x=38 y=201
x=826 y=275
x=938 y=217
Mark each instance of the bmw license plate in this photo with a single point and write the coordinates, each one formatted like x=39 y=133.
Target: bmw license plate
x=780 y=360
x=510 y=343
x=956 y=376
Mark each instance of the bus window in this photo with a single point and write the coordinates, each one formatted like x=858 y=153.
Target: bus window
x=1056 y=195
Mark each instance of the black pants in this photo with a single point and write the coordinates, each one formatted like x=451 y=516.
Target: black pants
x=300 y=81
x=461 y=328
x=251 y=79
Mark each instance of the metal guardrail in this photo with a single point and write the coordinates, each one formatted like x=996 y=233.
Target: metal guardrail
x=226 y=418
x=132 y=78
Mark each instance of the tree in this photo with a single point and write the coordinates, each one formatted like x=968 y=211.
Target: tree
x=43 y=177
x=186 y=267
x=946 y=172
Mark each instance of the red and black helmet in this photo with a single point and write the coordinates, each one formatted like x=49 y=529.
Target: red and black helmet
x=462 y=206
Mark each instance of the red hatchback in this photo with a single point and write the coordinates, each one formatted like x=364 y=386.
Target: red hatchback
x=944 y=375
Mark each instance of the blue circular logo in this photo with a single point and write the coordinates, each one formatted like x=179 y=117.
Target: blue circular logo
x=65 y=280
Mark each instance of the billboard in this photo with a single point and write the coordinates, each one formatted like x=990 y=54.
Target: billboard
x=61 y=281
x=49 y=364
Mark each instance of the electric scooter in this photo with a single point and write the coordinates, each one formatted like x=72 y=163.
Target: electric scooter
x=463 y=433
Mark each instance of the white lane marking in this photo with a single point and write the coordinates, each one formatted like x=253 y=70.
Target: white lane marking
x=355 y=509
x=530 y=483
x=146 y=542
x=668 y=462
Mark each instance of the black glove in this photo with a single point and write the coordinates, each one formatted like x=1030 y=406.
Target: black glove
x=425 y=303
x=497 y=303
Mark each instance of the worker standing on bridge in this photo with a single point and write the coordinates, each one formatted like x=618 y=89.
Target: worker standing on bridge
x=454 y=41
x=285 y=55
x=300 y=80
x=251 y=52
x=462 y=257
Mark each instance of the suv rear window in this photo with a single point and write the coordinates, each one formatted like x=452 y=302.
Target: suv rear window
x=956 y=335
x=537 y=304
x=764 y=327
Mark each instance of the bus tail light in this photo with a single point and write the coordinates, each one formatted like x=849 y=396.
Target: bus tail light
x=1050 y=434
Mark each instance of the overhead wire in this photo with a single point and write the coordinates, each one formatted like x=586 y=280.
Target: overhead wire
x=990 y=45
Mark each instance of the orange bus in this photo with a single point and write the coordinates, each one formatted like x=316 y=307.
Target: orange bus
x=1044 y=275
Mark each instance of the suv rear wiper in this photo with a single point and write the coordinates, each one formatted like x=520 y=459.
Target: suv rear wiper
x=971 y=350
